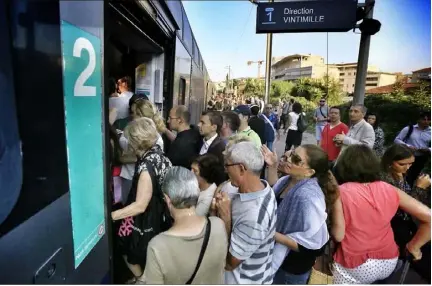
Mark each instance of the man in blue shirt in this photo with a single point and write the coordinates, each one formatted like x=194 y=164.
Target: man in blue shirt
x=418 y=138
x=272 y=125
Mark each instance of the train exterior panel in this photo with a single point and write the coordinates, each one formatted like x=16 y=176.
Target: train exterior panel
x=197 y=81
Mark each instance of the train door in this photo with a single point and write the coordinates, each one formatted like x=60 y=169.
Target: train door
x=52 y=165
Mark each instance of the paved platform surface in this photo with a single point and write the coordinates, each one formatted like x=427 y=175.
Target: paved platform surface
x=308 y=138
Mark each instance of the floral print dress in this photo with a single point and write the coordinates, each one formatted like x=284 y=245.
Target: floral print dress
x=402 y=223
x=379 y=142
x=160 y=164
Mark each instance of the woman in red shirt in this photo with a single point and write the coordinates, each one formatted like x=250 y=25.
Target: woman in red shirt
x=368 y=251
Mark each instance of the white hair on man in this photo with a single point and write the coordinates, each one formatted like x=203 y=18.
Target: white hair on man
x=362 y=107
x=181 y=186
x=247 y=154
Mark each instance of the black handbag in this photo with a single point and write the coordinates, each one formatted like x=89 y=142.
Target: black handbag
x=203 y=250
x=136 y=232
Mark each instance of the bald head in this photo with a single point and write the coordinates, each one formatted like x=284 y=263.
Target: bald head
x=179 y=117
x=182 y=112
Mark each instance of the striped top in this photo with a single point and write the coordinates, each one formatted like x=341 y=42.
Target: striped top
x=253 y=237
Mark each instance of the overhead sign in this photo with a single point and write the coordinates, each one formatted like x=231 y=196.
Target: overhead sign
x=306 y=16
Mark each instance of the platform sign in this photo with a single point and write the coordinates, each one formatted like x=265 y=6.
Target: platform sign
x=82 y=83
x=306 y=16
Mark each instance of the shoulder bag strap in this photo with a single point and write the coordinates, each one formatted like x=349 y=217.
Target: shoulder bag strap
x=322 y=112
x=203 y=250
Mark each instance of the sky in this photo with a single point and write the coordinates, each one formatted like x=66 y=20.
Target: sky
x=225 y=34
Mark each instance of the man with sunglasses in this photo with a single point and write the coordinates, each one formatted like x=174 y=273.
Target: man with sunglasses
x=321 y=118
x=249 y=218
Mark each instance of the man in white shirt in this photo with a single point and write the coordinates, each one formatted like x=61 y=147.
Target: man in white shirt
x=209 y=127
x=121 y=102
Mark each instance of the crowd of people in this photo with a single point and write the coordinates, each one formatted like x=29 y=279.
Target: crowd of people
x=214 y=204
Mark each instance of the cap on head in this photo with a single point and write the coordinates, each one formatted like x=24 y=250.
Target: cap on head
x=243 y=110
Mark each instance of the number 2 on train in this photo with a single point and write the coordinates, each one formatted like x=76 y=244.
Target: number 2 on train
x=80 y=89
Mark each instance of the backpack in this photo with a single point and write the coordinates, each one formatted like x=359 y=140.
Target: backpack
x=302 y=123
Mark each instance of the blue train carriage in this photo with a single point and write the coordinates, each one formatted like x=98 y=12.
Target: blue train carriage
x=57 y=59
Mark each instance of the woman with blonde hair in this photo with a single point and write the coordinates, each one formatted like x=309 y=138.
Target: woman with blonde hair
x=144 y=108
x=140 y=108
x=145 y=213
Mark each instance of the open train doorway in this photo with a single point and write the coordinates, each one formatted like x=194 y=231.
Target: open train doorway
x=135 y=47
x=136 y=50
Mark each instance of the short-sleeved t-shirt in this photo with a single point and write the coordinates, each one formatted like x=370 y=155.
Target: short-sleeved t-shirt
x=252 y=135
x=368 y=210
x=172 y=259
x=294 y=117
x=253 y=237
x=319 y=112
x=327 y=143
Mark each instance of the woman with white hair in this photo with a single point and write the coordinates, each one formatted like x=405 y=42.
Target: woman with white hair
x=190 y=251
x=145 y=213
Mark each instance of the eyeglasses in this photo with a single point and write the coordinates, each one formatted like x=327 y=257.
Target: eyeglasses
x=171 y=118
x=292 y=158
x=234 y=164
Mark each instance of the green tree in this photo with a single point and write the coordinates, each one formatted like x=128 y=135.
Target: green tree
x=331 y=90
x=236 y=82
x=422 y=95
x=280 y=89
x=254 y=87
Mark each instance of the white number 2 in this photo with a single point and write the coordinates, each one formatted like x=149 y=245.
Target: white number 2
x=80 y=89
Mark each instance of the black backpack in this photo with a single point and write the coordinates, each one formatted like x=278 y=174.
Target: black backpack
x=302 y=123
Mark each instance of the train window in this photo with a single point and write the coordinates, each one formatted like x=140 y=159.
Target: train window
x=187 y=34
x=37 y=72
x=182 y=92
x=176 y=9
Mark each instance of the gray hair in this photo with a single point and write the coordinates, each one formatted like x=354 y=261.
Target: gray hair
x=361 y=106
x=247 y=154
x=181 y=186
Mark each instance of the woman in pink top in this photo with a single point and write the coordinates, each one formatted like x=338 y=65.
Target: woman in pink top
x=367 y=250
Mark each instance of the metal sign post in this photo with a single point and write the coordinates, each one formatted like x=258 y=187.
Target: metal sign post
x=363 y=59
x=269 y=48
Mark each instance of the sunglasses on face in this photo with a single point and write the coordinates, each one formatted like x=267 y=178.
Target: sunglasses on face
x=292 y=158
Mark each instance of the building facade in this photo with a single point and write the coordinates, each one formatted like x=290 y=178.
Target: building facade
x=422 y=75
x=374 y=78
x=297 y=66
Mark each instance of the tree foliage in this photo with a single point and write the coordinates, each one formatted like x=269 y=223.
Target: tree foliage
x=315 y=89
x=254 y=87
x=395 y=110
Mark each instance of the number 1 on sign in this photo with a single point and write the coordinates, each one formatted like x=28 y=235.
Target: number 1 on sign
x=269 y=14
x=79 y=88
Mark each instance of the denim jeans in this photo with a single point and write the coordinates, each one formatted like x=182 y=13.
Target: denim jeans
x=284 y=278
